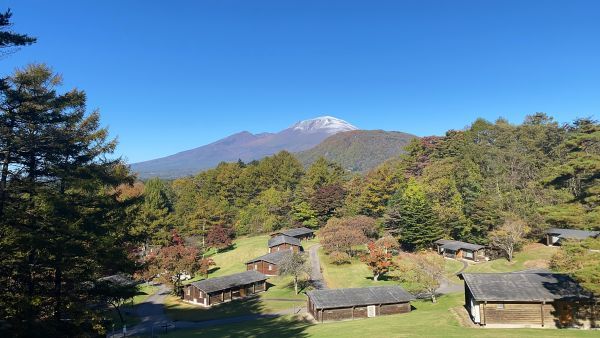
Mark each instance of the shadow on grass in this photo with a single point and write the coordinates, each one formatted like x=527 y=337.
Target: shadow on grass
x=265 y=327
x=226 y=249
x=381 y=278
x=180 y=311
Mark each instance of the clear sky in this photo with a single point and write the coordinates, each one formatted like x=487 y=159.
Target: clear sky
x=173 y=75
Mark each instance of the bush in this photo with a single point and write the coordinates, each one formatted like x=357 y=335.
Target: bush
x=339 y=258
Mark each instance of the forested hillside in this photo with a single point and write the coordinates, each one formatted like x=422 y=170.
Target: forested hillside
x=467 y=183
x=358 y=150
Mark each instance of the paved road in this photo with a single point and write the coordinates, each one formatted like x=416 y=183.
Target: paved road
x=316 y=277
x=447 y=286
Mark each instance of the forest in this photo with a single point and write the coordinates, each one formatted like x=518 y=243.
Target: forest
x=72 y=213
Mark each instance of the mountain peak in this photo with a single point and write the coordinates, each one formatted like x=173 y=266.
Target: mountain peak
x=328 y=124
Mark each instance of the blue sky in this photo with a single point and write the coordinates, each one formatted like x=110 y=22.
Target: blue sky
x=173 y=75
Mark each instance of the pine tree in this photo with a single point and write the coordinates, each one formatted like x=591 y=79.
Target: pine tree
x=419 y=224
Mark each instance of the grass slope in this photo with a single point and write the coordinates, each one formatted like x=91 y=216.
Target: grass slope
x=279 y=296
x=427 y=320
x=533 y=256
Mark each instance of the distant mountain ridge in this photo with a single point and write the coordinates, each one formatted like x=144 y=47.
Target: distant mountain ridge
x=246 y=146
x=358 y=150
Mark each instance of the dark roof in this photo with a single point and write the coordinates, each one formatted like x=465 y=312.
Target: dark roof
x=336 y=298
x=229 y=281
x=456 y=245
x=118 y=279
x=277 y=240
x=296 y=232
x=273 y=257
x=523 y=286
x=572 y=233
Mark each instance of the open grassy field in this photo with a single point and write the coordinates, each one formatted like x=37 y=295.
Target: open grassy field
x=533 y=256
x=427 y=320
x=357 y=274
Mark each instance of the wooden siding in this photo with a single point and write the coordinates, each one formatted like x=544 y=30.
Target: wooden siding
x=263 y=267
x=193 y=295
x=285 y=246
x=356 y=312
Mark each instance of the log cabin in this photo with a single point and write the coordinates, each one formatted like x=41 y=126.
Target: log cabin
x=218 y=290
x=268 y=264
x=283 y=242
x=353 y=303
x=460 y=250
x=553 y=236
x=528 y=299
x=301 y=233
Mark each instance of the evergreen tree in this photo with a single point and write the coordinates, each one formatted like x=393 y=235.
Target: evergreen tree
x=64 y=223
x=419 y=224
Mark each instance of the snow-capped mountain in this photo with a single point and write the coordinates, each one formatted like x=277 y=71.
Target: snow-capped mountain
x=246 y=146
x=329 y=124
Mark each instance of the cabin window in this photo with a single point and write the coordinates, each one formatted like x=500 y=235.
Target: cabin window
x=500 y=306
x=255 y=266
x=189 y=290
x=270 y=267
x=468 y=254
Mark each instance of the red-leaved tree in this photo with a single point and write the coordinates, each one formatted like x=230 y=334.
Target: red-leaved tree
x=378 y=260
x=219 y=237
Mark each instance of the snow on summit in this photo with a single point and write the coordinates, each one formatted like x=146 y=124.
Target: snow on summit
x=328 y=124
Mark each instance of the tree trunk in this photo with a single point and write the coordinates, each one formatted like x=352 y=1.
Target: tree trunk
x=433 y=299
x=376 y=277
x=509 y=253
x=5 y=164
x=296 y=284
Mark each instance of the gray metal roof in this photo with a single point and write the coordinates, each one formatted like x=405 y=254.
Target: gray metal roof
x=523 y=286
x=336 y=298
x=572 y=233
x=229 y=281
x=273 y=257
x=456 y=245
x=280 y=239
x=296 y=232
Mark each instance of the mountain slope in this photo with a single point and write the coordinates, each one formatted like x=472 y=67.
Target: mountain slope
x=358 y=150
x=246 y=146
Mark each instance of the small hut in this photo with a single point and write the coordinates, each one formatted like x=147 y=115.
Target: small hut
x=283 y=242
x=554 y=236
x=268 y=264
x=460 y=250
x=218 y=290
x=341 y=304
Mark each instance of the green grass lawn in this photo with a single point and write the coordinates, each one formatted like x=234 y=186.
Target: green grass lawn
x=233 y=261
x=533 y=256
x=427 y=320
x=279 y=296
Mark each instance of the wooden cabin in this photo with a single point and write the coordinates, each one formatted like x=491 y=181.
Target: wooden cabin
x=342 y=304
x=218 y=290
x=460 y=250
x=528 y=299
x=553 y=236
x=301 y=233
x=283 y=242
x=268 y=264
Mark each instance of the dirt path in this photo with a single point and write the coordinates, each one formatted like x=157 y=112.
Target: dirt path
x=316 y=277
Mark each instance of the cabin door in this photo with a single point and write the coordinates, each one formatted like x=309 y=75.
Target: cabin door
x=566 y=314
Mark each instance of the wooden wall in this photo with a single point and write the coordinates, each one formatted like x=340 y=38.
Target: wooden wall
x=284 y=246
x=356 y=312
x=196 y=296
x=263 y=267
